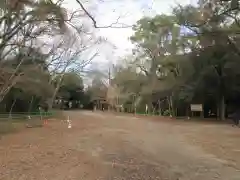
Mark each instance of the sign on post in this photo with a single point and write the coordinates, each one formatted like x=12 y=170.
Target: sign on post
x=196 y=107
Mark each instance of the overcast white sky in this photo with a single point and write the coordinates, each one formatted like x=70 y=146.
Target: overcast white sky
x=107 y=12
x=133 y=11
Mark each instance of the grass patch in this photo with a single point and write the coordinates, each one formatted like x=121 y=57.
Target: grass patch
x=8 y=126
x=19 y=121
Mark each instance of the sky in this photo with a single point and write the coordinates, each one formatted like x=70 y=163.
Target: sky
x=128 y=12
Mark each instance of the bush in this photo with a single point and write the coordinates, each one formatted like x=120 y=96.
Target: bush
x=166 y=113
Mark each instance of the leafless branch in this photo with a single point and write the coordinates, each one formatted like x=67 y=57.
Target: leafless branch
x=112 y=25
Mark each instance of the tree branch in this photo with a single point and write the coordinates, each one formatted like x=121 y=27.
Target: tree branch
x=112 y=25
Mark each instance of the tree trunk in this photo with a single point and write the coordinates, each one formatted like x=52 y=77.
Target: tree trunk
x=10 y=112
x=188 y=114
x=221 y=99
x=7 y=87
x=222 y=108
x=55 y=92
x=30 y=106
x=169 y=105
x=172 y=107
x=150 y=108
x=153 y=111
x=149 y=104
x=159 y=108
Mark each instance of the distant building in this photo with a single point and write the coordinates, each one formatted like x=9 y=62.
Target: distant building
x=99 y=98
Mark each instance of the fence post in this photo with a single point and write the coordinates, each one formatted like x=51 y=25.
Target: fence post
x=40 y=113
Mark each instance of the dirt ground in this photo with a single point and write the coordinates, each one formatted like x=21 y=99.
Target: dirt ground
x=103 y=146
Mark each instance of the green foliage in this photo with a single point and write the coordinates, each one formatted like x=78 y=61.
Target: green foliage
x=166 y=113
x=71 y=86
x=25 y=80
x=198 y=65
x=33 y=85
x=72 y=89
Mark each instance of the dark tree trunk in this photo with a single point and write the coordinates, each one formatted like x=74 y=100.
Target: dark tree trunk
x=222 y=108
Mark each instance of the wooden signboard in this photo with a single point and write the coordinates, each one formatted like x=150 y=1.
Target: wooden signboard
x=196 y=107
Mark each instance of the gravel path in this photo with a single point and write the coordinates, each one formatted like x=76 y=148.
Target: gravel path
x=115 y=147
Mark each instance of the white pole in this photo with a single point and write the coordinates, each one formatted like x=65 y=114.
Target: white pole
x=69 y=123
x=40 y=112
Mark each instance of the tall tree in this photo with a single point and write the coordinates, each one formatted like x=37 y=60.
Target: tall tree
x=216 y=30
x=157 y=38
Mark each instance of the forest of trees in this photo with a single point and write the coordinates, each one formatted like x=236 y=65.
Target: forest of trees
x=189 y=57
x=41 y=49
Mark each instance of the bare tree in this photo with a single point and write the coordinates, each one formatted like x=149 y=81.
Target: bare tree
x=68 y=55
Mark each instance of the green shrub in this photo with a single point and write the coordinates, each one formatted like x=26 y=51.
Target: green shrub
x=166 y=113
